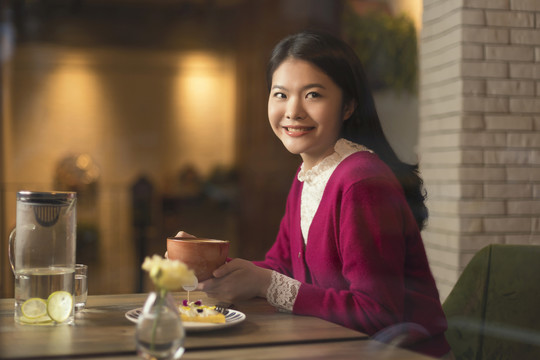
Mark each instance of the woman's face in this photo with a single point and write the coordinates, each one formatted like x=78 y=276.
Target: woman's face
x=306 y=110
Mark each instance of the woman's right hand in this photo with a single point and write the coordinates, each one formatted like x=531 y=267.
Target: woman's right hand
x=236 y=280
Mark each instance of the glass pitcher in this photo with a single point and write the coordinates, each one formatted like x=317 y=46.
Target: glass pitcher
x=42 y=256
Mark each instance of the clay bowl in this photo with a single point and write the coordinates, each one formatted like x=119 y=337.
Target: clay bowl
x=201 y=255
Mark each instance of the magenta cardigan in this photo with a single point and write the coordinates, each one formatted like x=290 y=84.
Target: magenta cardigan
x=365 y=265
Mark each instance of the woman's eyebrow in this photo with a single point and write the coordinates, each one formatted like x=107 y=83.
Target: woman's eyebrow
x=314 y=85
x=305 y=87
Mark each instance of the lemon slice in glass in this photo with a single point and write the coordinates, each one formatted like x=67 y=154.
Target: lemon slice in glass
x=42 y=320
x=59 y=306
x=34 y=308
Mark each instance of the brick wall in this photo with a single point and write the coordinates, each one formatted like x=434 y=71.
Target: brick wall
x=479 y=139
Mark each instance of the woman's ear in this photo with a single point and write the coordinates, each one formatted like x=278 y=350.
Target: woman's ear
x=348 y=109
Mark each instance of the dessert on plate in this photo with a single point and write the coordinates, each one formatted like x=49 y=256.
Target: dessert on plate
x=197 y=312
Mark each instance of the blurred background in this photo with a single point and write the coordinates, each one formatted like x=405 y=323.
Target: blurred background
x=154 y=111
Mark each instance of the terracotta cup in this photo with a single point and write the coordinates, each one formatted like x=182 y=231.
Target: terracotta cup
x=203 y=256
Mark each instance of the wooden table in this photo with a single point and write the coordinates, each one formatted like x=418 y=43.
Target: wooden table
x=101 y=331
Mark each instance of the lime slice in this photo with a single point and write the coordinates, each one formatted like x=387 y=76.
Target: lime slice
x=60 y=306
x=34 y=308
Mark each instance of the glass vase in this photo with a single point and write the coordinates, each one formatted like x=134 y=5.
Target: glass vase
x=159 y=333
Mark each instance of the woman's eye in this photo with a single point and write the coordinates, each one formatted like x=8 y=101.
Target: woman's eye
x=313 y=95
x=280 y=95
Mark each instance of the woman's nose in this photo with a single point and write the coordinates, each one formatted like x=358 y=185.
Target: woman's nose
x=295 y=110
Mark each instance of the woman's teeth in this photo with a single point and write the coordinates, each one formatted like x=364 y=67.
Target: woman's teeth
x=298 y=129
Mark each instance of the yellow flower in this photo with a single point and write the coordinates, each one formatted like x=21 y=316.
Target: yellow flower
x=168 y=274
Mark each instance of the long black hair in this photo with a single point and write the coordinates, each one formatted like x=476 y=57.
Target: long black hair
x=339 y=61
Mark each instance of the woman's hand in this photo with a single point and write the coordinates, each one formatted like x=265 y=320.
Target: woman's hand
x=238 y=279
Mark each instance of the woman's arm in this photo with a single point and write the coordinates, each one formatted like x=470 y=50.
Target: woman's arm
x=241 y=279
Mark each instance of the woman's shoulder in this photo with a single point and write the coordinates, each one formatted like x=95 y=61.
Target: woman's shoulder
x=363 y=173
x=363 y=165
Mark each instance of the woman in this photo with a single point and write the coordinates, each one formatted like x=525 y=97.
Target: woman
x=349 y=248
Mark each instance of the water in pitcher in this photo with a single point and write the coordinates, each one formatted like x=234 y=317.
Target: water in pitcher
x=43 y=296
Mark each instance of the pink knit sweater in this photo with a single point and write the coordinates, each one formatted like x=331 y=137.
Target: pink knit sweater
x=365 y=265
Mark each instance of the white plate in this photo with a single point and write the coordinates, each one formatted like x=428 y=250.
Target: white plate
x=233 y=317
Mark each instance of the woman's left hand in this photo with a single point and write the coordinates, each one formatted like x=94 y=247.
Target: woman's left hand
x=238 y=279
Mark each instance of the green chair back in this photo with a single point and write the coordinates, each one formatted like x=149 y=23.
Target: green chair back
x=493 y=311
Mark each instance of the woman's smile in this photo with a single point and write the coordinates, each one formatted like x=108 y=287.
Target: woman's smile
x=296 y=131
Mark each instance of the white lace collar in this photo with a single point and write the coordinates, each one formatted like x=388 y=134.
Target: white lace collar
x=342 y=149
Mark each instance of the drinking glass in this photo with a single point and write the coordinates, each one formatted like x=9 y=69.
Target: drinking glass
x=81 y=286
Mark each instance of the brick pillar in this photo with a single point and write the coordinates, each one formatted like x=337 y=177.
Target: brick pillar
x=479 y=140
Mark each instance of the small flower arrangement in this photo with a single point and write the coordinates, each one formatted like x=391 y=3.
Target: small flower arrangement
x=168 y=275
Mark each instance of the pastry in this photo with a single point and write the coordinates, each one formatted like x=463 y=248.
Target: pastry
x=197 y=312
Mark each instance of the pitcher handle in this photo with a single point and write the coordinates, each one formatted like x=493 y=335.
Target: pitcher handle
x=11 y=249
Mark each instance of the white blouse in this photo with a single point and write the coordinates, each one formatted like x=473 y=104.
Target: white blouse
x=283 y=290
